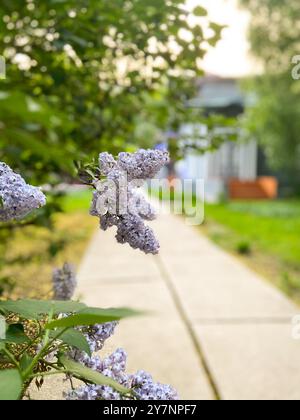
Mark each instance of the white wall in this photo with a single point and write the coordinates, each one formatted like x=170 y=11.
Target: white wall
x=232 y=160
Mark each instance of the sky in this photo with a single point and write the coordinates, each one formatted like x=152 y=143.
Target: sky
x=231 y=57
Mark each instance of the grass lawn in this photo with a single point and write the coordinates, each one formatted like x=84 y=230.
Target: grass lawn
x=264 y=234
x=66 y=242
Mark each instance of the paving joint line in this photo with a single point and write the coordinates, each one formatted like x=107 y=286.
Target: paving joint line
x=197 y=346
x=245 y=321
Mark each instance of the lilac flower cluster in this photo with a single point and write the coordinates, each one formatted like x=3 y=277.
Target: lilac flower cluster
x=96 y=336
x=140 y=386
x=146 y=389
x=144 y=164
x=132 y=230
x=91 y=393
x=117 y=203
x=113 y=367
x=17 y=199
x=64 y=282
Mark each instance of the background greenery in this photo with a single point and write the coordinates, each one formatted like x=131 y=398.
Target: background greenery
x=275 y=119
x=85 y=76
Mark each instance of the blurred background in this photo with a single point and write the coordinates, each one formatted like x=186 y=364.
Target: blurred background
x=217 y=82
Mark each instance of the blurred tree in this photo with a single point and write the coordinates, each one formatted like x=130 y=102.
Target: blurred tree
x=275 y=118
x=93 y=65
x=84 y=76
x=274 y=31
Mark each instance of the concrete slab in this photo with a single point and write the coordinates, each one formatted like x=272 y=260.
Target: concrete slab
x=215 y=288
x=107 y=260
x=213 y=284
x=253 y=362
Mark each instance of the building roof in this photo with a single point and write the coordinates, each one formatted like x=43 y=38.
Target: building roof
x=219 y=93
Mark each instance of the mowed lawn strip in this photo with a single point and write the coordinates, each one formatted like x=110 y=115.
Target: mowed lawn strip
x=265 y=234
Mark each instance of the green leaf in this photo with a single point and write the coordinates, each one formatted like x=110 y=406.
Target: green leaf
x=217 y=28
x=15 y=334
x=200 y=11
x=34 y=309
x=73 y=338
x=81 y=372
x=10 y=385
x=25 y=362
x=91 y=316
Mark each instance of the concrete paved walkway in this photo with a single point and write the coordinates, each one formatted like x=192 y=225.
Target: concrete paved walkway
x=213 y=329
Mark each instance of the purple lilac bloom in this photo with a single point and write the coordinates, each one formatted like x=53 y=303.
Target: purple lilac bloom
x=146 y=389
x=138 y=205
x=93 y=393
x=141 y=385
x=132 y=230
x=106 y=163
x=98 y=334
x=117 y=203
x=144 y=164
x=64 y=282
x=18 y=199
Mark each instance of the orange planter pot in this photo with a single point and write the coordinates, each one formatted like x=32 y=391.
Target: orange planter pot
x=264 y=188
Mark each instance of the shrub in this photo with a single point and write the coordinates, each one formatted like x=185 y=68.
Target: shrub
x=61 y=336
x=244 y=248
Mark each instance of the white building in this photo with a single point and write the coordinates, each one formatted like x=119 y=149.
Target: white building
x=238 y=160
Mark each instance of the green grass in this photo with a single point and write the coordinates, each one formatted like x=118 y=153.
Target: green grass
x=270 y=231
x=77 y=201
x=271 y=227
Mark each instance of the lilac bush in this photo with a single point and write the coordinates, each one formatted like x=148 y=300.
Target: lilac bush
x=141 y=385
x=59 y=336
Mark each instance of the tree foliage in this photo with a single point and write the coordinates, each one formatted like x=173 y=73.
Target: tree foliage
x=274 y=31
x=275 y=119
x=82 y=75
